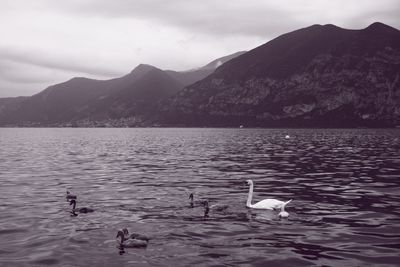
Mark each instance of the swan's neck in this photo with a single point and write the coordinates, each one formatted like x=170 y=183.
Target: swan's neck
x=250 y=197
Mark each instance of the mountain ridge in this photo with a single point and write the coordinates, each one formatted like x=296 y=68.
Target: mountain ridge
x=191 y=76
x=319 y=76
x=79 y=98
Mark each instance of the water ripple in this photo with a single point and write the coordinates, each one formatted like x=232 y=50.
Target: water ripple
x=345 y=186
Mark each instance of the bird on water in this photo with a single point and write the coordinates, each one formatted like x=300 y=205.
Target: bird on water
x=268 y=204
x=134 y=240
x=80 y=210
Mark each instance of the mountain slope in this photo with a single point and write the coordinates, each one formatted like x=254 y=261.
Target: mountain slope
x=316 y=76
x=63 y=101
x=134 y=94
x=136 y=99
x=8 y=107
x=73 y=99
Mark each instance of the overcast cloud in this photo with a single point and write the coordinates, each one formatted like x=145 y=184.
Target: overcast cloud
x=44 y=42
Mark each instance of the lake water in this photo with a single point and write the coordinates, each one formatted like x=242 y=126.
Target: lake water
x=344 y=185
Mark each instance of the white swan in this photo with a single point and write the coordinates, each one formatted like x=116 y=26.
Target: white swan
x=283 y=213
x=267 y=204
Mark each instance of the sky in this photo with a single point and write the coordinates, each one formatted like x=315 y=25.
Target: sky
x=44 y=42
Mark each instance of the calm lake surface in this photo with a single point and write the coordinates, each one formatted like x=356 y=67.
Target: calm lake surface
x=344 y=184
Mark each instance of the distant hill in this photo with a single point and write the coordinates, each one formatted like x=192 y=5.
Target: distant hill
x=319 y=76
x=67 y=101
x=81 y=99
x=138 y=98
x=9 y=107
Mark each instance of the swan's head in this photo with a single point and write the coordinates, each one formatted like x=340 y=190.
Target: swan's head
x=249 y=182
x=72 y=202
x=283 y=214
x=191 y=196
x=68 y=192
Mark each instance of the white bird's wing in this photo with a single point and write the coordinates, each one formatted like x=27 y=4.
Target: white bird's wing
x=269 y=204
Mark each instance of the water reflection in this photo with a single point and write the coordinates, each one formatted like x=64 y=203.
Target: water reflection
x=344 y=185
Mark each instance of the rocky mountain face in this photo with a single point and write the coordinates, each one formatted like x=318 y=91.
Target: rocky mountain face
x=124 y=101
x=320 y=76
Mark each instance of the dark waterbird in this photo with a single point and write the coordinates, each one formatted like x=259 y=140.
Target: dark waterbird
x=80 y=210
x=135 y=235
x=194 y=203
x=70 y=196
x=206 y=210
x=215 y=207
x=134 y=240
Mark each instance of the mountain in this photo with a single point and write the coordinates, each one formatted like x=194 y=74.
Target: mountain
x=8 y=107
x=58 y=102
x=191 y=76
x=61 y=101
x=82 y=100
x=319 y=76
x=137 y=99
